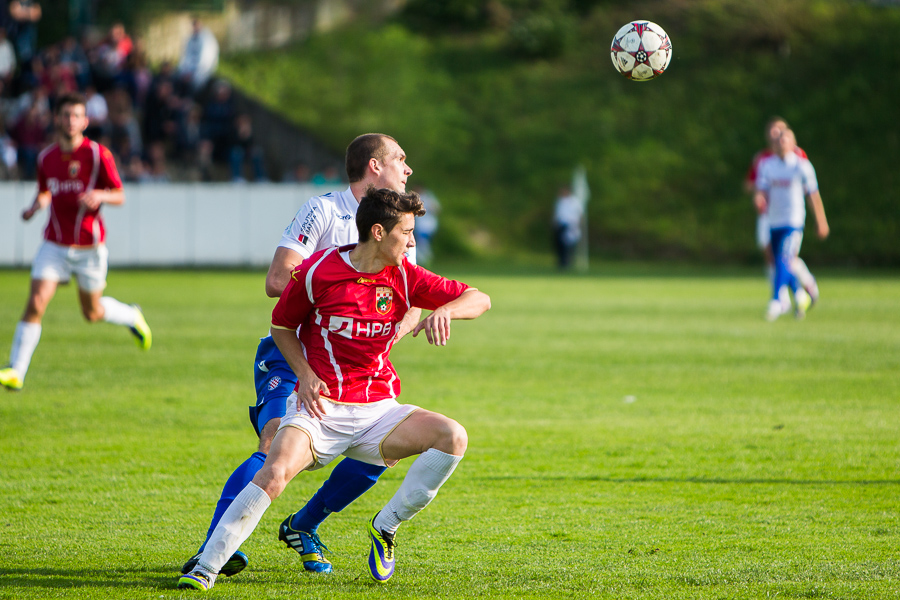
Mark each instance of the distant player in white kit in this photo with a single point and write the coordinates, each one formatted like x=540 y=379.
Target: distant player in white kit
x=783 y=181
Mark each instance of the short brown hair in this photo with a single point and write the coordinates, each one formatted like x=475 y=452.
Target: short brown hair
x=361 y=150
x=385 y=207
x=69 y=98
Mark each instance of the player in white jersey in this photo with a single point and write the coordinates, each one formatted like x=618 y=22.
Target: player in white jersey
x=322 y=222
x=783 y=181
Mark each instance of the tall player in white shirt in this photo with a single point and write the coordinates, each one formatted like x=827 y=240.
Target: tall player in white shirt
x=783 y=181
x=322 y=222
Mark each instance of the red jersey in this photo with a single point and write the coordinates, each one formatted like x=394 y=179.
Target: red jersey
x=348 y=319
x=750 y=177
x=67 y=175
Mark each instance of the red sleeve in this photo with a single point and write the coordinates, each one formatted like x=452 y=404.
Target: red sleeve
x=108 y=177
x=429 y=291
x=293 y=306
x=750 y=177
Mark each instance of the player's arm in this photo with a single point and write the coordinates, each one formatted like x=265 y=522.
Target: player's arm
x=41 y=201
x=409 y=322
x=761 y=201
x=279 y=275
x=469 y=305
x=309 y=386
x=818 y=209
x=92 y=199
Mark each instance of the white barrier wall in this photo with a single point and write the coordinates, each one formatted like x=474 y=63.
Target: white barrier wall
x=209 y=224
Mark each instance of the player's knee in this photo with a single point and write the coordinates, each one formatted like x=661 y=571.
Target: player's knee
x=272 y=479
x=92 y=315
x=453 y=438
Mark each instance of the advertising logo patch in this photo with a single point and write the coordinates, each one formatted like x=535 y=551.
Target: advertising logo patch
x=384 y=297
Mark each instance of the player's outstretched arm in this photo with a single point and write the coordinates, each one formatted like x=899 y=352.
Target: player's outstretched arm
x=760 y=202
x=41 y=201
x=309 y=386
x=279 y=274
x=470 y=305
x=94 y=198
x=818 y=209
x=409 y=322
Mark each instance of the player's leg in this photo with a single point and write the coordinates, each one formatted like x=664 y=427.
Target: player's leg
x=28 y=334
x=440 y=443
x=91 y=267
x=801 y=272
x=802 y=298
x=291 y=452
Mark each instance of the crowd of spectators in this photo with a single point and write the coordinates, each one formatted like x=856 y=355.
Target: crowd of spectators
x=179 y=114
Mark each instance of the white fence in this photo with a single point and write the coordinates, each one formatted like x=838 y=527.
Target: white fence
x=206 y=224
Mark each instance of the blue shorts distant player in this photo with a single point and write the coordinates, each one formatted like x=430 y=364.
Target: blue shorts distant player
x=322 y=222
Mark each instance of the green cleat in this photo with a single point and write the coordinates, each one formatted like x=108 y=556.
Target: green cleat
x=10 y=379
x=195 y=580
x=381 y=554
x=141 y=330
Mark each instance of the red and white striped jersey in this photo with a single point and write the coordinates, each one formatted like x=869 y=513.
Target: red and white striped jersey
x=67 y=175
x=348 y=319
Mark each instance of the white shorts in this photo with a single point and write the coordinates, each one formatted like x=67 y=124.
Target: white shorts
x=763 y=238
x=54 y=262
x=354 y=430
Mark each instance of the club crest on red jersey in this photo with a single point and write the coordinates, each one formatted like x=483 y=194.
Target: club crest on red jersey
x=74 y=168
x=384 y=297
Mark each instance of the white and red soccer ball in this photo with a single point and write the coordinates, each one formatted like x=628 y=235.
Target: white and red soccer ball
x=641 y=50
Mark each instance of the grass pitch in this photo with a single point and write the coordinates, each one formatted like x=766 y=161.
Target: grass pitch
x=632 y=435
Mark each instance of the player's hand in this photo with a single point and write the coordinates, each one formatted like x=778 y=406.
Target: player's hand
x=28 y=213
x=823 y=230
x=309 y=394
x=761 y=205
x=436 y=327
x=91 y=200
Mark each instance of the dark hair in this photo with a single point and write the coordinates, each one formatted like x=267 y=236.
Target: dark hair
x=361 y=150
x=69 y=98
x=385 y=207
x=775 y=119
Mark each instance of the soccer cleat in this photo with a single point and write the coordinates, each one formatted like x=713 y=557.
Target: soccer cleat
x=195 y=580
x=308 y=545
x=775 y=310
x=10 y=379
x=804 y=301
x=141 y=330
x=381 y=554
x=237 y=563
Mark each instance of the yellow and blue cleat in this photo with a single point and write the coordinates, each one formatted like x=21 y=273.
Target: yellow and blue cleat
x=307 y=545
x=141 y=330
x=10 y=379
x=381 y=554
x=195 y=580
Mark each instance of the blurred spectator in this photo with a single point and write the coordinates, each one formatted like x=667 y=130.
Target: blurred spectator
x=24 y=16
x=109 y=58
x=426 y=226
x=199 y=58
x=133 y=170
x=244 y=149
x=72 y=53
x=217 y=124
x=188 y=139
x=122 y=130
x=162 y=113
x=7 y=59
x=30 y=134
x=8 y=154
x=299 y=174
x=567 y=225
x=156 y=171
x=327 y=176
x=136 y=76
x=97 y=112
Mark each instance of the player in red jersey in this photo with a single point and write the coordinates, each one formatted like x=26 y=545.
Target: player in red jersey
x=348 y=303
x=76 y=176
x=774 y=128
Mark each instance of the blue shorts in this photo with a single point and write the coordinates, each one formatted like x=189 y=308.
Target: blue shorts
x=274 y=382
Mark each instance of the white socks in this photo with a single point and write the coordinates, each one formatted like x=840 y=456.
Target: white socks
x=25 y=341
x=421 y=484
x=234 y=528
x=118 y=313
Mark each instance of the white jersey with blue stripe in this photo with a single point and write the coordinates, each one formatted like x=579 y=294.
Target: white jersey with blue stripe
x=786 y=181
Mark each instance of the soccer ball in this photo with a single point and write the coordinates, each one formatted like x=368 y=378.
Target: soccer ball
x=641 y=51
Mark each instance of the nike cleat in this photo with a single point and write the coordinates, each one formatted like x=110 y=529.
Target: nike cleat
x=237 y=563
x=141 y=330
x=10 y=379
x=804 y=301
x=381 y=554
x=308 y=545
x=195 y=580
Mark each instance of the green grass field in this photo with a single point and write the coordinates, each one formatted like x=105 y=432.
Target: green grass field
x=633 y=434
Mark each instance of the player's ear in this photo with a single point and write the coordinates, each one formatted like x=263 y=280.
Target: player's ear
x=375 y=166
x=377 y=232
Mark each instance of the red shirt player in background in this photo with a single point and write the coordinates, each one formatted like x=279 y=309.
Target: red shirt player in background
x=774 y=128
x=75 y=178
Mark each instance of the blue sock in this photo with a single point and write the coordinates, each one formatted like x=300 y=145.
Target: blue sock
x=235 y=484
x=347 y=482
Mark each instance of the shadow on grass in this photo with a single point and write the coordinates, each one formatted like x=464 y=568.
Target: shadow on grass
x=157 y=578
x=700 y=480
